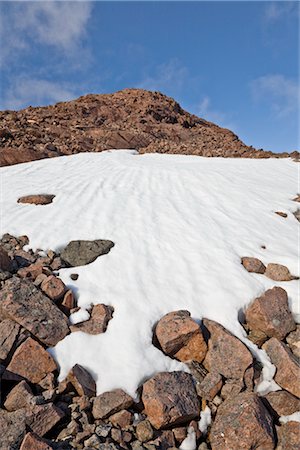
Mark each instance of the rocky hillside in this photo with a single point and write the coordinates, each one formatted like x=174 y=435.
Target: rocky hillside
x=132 y=118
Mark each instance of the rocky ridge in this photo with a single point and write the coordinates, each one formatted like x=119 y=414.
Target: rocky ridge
x=38 y=412
x=132 y=118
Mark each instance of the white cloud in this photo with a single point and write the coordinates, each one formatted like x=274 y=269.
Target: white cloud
x=275 y=11
x=169 y=76
x=207 y=112
x=280 y=92
x=36 y=92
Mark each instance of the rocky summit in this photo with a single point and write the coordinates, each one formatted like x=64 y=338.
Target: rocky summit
x=131 y=118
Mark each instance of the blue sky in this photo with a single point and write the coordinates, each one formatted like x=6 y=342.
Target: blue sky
x=234 y=63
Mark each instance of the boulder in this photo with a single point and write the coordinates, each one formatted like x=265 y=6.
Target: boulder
x=13 y=429
x=9 y=331
x=287 y=366
x=6 y=264
x=98 y=321
x=80 y=253
x=53 y=287
x=283 y=403
x=293 y=340
x=288 y=436
x=21 y=301
x=226 y=354
x=110 y=402
x=19 y=397
x=270 y=314
x=277 y=272
x=253 y=265
x=170 y=399
x=37 y=199
x=242 y=422
x=31 y=361
x=179 y=336
x=33 y=442
x=42 y=418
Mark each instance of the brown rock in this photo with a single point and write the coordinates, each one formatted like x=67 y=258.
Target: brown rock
x=231 y=388
x=165 y=441
x=297 y=198
x=253 y=265
x=144 y=431
x=278 y=272
x=33 y=442
x=68 y=303
x=53 y=287
x=13 y=429
x=282 y=214
x=21 y=301
x=293 y=340
x=242 y=422
x=297 y=214
x=180 y=337
x=287 y=366
x=210 y=386
x=31 y=272
x=31 y=361
x=98 y=321
x=40 y=199
x=42 y=418
x=270 y=314
x=39 y=279
x=180 y=433
x=283 y=403
x=121 y=419
x=288 y=436
x=82 y=381
x=5 y=261
x=9 y=331
x=111 y=402
x=19 y=397
x=170 y=399
x=226 y=354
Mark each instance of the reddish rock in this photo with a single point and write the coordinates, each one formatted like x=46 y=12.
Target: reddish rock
x=121 y=419
x=293 y=340
x=68 y=303
x=270 y=314
x=278 y=272
x=19 y=397
x=39 y=279
x=283 y=403
x=180 y=433
x=281 y=214
x=226 y=354
x=42 y=418
x=5 y=261
x=253 y=265
x=288 y=436
x=179 y=336
x=170 y=399
x=9 y=331
x=40 y=199
x=210 y=386
x=165 y=441
x=21 y=301
x=110 y=402
x=287 y=366
x=98 y=321
x=53 y=287
x=13 y=429
x=31 y=272
x=33 y=442
x=82 y=381
x=144 y=431
x=242 y=422
x=31 y=361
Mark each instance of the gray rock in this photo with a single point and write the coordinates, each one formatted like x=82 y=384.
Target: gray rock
x=80 y=253
x=8 y=334
x=13 y=429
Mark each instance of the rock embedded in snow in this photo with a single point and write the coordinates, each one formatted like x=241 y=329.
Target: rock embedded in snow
x=68 y=303
x=253 y=265
x=109 y=403
x=293 y=340
x=287 y=366
x=242 y=422
x=210 y=386
x=278 y=272
x=98 y=321
x=297 y=214
x=21 y=301
x=297 y=198
x=19 y=397
x=288 y=436
x=270 y=314
x=31 y=361
x=82 y=381
x=226 y=354
x=53 y=287
x=80 y=253
x=9 y=331
x=170 y=398
x=33 y=442
x=283 y=403
x=180 y=337
x=38 y=199
x=13 y=429
x=281 y=213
